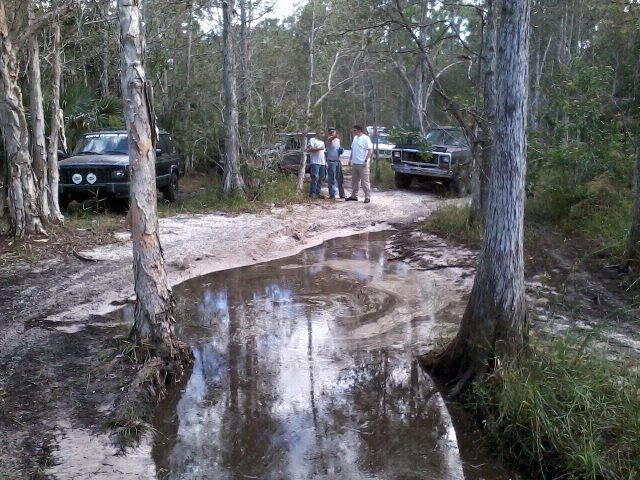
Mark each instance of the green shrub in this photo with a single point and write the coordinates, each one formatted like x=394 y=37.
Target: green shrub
x=386 y=179
x=566 y=411
x=452 y=222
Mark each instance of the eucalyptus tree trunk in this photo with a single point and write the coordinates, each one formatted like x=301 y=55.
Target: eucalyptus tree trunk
x=189 y=167
x=38 y=144
x=232 y=179
x=307 y=112
x=154 y=320
x=104 y=74
x=480 y=190
x=631 y=256
x=57 y=124
x=23 y=203
x=245 y=80
x=494 y=325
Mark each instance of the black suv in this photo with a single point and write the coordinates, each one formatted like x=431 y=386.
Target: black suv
x=99 y=168
x=448 y=162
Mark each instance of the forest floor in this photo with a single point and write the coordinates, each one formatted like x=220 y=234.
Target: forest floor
x=61 y=354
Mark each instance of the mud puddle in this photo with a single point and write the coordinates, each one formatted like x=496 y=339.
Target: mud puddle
x=305 y=370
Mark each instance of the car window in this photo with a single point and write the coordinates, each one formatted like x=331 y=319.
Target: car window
x=169 y=143
x=162 y=144
x=103 y=143
x=441 y=136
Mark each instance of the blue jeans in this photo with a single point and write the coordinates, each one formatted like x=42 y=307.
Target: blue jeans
x=317 y=174
x=334 y=177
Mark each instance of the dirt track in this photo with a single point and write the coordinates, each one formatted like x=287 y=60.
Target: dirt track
x=57 y=390
x=61 y=371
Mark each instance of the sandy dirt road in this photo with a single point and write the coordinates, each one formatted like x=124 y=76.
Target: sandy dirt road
x=57 y=386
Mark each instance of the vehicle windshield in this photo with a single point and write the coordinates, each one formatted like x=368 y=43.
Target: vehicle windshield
x=103 y=143
x=442 y=136
x=382 y=139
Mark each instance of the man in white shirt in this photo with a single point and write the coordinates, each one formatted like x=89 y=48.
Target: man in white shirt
x=318 y=164
x=361 y=151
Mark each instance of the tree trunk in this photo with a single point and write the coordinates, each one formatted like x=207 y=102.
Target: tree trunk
x=23 y=208
x=494 y=325
x=189 y=167
x=481 y=173
x=232 y=179
x=57 y=123
x=245 y=106
x=632 y=252
x=38 y=145
x=154 y=302
x=307 y=113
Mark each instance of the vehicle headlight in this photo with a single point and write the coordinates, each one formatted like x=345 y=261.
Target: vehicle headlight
x=119 y=175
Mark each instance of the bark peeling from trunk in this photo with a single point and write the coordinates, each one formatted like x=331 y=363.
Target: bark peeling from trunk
x=23 y=204
x=154 y=303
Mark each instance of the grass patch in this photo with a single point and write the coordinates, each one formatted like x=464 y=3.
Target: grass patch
x=386 y=180
x=599 y=210
x=452 y=223
x=565 y=412
x=203 y=193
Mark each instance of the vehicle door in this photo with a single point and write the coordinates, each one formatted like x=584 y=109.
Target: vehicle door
x=163 y=162
x=175 y=160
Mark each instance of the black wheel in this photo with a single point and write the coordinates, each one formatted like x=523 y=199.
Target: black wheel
x=63 y=201
x=459 y=184
x=402 y=180
x=170 y=192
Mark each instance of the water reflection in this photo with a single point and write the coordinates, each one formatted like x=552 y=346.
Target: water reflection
x=304 y=369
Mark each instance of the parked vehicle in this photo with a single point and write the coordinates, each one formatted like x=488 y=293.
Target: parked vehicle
x=99 y=168
x=384 y=146
x=291 y=147
x=448 y=160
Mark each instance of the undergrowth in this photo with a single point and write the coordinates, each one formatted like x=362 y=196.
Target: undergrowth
x=452 y=222
x=565 y=412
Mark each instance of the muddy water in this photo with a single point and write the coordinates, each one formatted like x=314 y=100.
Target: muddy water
x=305 y=369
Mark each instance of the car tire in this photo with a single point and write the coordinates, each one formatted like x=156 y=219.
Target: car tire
x=459 y=184
x=402 y=180
x=63 y=201
x=170 y=192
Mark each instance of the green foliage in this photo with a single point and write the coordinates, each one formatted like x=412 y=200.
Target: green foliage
x=386 y=179
x=580 y=171
x=451 y=221
x=86 y=112
x=409 y=135
x=566 y=411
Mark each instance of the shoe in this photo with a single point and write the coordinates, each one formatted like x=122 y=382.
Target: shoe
x=320 y=195
x=332 y=197
x=351 y=199
x=312 y=195
x=367 y=200
x=342 y=196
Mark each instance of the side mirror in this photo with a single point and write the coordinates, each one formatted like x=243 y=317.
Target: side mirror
x=62 y=154
x=158 y=152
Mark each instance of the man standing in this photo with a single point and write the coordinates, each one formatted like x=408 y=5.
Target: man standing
x=334 y=165
x=318 y=164
x=361 y=151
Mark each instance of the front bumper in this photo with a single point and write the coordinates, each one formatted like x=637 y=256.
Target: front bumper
x=422 y=171
x=84 y=191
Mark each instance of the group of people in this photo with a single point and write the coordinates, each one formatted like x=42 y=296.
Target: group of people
x=325 y=157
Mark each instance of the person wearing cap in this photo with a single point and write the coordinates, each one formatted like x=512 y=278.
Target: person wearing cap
x=332 y=150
